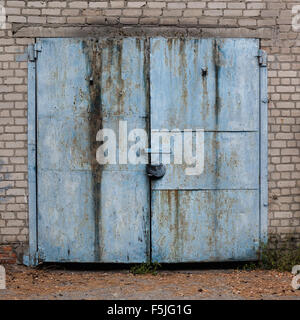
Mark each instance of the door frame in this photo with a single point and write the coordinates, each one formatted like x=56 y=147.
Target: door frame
x=31 y=258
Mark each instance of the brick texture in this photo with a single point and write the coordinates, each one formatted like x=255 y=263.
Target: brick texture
x=7 y=255
x=284 y=90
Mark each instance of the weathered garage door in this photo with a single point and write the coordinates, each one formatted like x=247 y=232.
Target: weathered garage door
x=81 y=211
x=212 y=85
x=86 y=211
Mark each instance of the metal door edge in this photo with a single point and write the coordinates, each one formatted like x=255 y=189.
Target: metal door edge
x=31 y=258
x=263 y=175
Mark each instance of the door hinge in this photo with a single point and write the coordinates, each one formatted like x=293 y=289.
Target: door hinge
x=33 y=51
x=262 y=58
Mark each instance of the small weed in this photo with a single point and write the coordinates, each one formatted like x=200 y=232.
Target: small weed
x=274 y=257
x=250 y=266
x=145 y=268
x=281 y=259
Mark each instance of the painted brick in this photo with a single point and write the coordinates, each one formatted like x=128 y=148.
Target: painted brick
x=78 y=4
x=196 y=5
x=37 y=4
x=51 y=12
x=37 y=19
x=156 y=4
x=57 y=4
x=192 y=13
x=216 y=5
x=18 y=4
x=98 y=5
x=117 y=4
x=136 y=4
x=176 y=5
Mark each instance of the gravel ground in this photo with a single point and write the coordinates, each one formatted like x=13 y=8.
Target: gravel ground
x=55 y=284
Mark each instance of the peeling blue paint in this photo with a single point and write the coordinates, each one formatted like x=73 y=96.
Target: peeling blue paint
x=83 y=212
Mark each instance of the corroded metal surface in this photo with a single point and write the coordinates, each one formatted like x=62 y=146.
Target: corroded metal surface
x=204 y=225
x=205 y=83
x=89 y=212
x=66 y=219
x=210 y=84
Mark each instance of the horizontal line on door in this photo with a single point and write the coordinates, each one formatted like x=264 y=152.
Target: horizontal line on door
x=231 y=131
x=205 y=189
x=222 y=131
x=89 y=170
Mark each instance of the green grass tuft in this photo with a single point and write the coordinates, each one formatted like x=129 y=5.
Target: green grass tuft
x=145 y=268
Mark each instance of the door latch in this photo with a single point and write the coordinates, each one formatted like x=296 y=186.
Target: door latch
x=156 y=171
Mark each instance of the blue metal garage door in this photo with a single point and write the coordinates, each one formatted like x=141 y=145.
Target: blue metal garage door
x=83 y=211
x=214 y=85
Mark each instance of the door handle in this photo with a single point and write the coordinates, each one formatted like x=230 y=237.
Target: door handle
x=156 y=171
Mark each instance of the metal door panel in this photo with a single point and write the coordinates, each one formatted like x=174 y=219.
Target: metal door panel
x=123 y=78
x=132 y=122
x=203 y=84
x=238 y=85
x=85 y=85
x=230 y=162
x=62 y=85
x=66 y=218
x=66 y=223
x=211 y=225
x=124 y=218
x=64 y=143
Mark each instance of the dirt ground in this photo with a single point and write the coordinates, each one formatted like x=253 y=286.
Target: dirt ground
x=55 y=284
